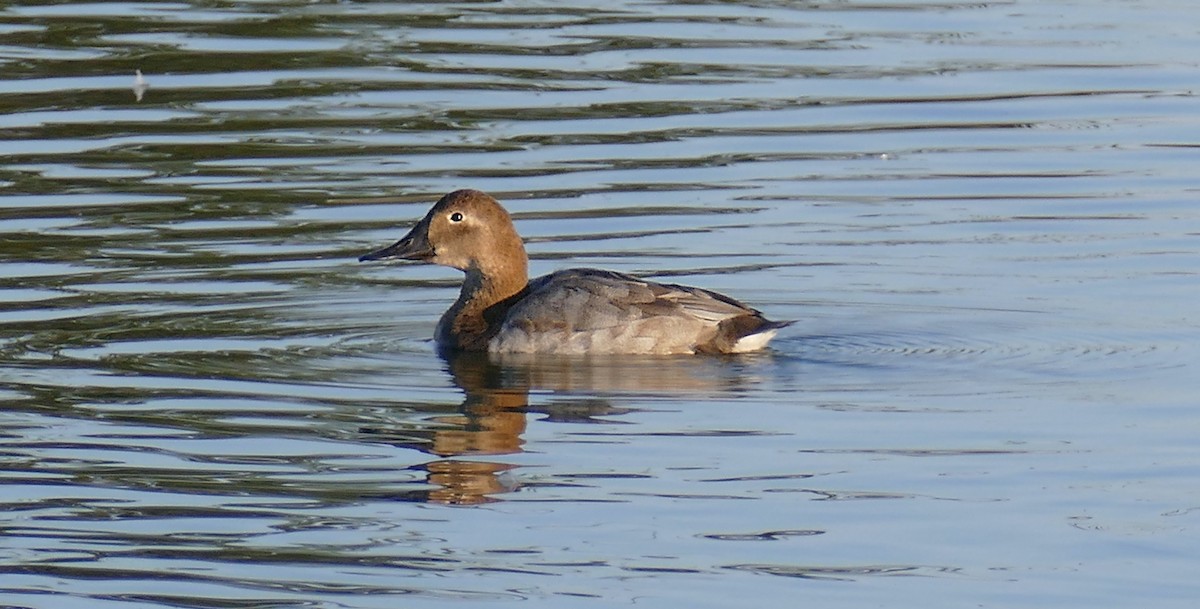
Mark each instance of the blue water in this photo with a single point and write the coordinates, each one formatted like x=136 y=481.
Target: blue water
x=982 y=217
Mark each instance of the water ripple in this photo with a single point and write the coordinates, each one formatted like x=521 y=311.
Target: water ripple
x=979 y=215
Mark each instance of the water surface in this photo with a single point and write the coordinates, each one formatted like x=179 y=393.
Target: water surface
x=982 y=216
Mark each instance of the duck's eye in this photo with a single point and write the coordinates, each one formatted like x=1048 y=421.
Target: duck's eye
x=456 y=217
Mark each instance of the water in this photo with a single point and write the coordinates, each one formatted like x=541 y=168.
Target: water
x=982 y=215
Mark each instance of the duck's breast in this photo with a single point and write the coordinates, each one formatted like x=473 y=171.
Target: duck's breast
x=594 y=311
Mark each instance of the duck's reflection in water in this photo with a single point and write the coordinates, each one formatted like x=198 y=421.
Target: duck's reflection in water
x=492 y=417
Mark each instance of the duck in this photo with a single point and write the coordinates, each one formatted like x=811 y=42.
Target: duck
x=576 y=311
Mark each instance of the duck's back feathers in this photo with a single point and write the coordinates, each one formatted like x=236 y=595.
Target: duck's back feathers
x=595 y=311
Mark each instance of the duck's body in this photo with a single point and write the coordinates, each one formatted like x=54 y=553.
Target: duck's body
x=575 y=311
x=594 y=311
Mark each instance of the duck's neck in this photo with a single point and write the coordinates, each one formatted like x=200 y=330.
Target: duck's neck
x=485 y=298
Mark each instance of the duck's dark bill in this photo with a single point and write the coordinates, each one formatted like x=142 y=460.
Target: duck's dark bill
x=411 y=247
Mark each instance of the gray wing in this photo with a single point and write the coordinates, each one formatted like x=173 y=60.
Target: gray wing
x=592 y=310
x=591 y=299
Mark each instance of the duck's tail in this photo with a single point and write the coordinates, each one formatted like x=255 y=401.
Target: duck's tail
x=743 y=334
x=758 y=339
